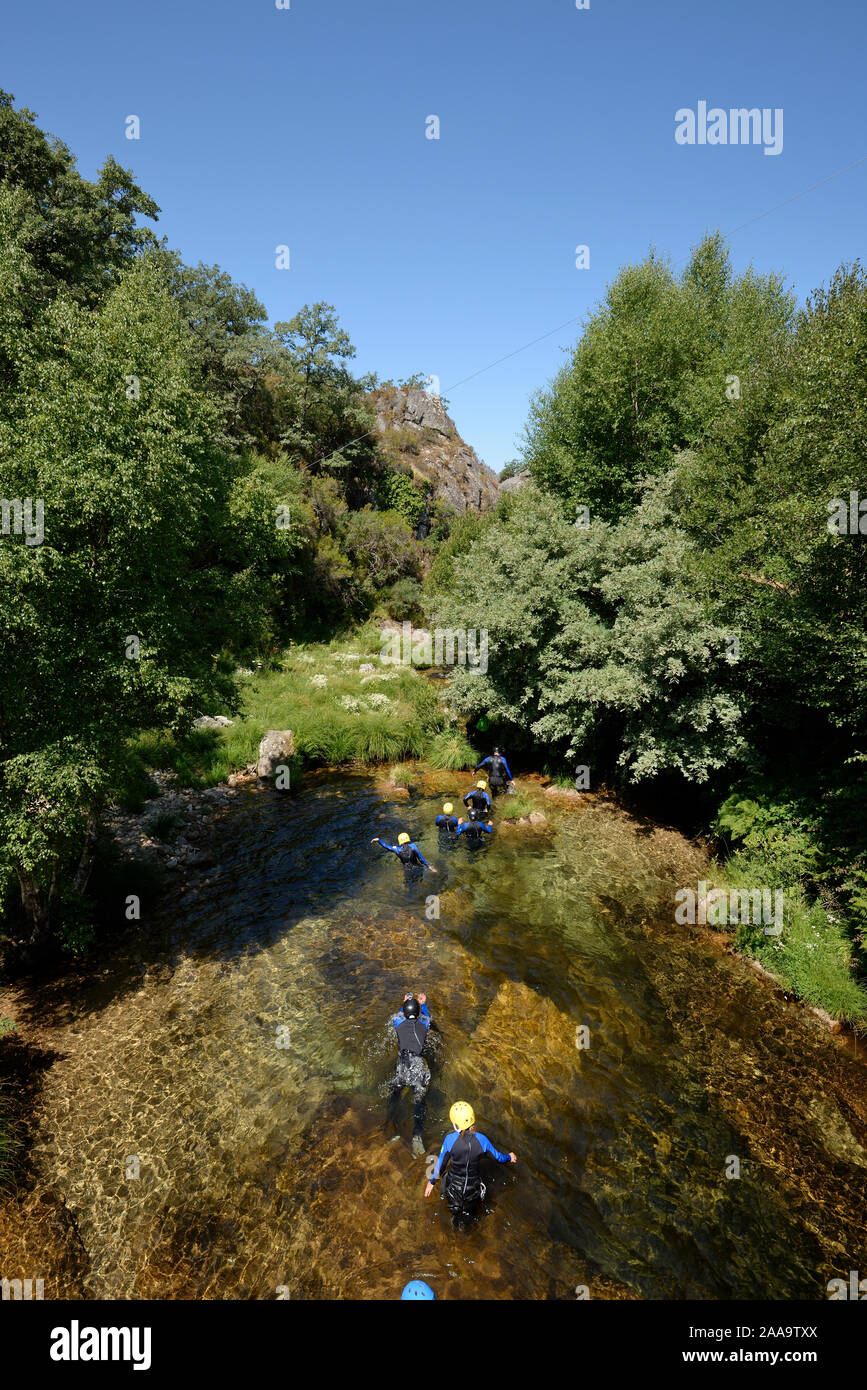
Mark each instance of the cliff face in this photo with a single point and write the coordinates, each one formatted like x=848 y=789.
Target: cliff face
x=416 y=432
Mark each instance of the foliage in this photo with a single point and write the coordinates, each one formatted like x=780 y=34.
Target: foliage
x=400 y=493
x=463 y=532
x=597 y=644
x=759 y=492
x=136 y=499
x=649 y=376
x=511 y=469
x=78 y=235
x=517 y=806
x=451 y=752
x=404 y=601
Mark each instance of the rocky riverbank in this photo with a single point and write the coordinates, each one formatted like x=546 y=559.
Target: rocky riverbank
x=173 y=829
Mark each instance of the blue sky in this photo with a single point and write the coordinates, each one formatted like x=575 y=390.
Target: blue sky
x=306 y=127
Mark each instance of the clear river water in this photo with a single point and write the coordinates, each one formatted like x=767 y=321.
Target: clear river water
x=236 y=1044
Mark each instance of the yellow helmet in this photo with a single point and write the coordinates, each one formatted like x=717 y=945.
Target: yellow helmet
x=481 y=785
x=448 y=807
x=462 y=1115
x=403 y=838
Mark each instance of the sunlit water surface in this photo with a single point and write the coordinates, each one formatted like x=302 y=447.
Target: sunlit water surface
x=238 y=1047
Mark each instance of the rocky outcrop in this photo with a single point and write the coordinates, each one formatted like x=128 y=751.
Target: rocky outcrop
x=417 y=433
x=175 y=828
x=517 y=481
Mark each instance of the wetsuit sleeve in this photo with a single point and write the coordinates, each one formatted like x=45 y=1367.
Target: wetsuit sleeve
x=482 y=763
x=489 y=1148
x=462 y=828
x=506 y=765
x=397 y=1020
x=440 y=820
x=448 y=1144
x=488 y=829
x=420 y=855
x=466 y=798
x=425 y=1013
x=487 y=799
x=393 y=848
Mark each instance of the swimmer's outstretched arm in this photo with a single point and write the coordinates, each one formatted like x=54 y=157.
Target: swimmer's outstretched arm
x=422 y=858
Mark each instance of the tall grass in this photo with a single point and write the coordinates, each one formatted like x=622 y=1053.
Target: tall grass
x=338 y=714
x=515 y=806
x=451 y=752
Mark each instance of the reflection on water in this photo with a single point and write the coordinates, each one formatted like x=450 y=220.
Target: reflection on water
x=238 y=1048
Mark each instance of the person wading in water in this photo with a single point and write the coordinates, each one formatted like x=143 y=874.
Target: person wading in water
x=499 y=775
x=411 y=1025
x=463 y=1150
x=410 y=856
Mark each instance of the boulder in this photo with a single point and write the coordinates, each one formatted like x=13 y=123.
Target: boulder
x=568 y=792
x=275 y=750
x=538 y=818
x=517 y=481
x=212 y=721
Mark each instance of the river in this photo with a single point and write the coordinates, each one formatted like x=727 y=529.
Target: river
x=210 y=1104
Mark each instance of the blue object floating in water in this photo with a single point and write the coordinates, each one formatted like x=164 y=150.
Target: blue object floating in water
x=417 y=1288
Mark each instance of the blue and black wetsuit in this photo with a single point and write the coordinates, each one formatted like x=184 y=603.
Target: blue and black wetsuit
x=447 y=826
x=499 y=774
x=410 y=857
x=479 y=803
x=464 y=1188
x=412 y=1069
x=474 y=830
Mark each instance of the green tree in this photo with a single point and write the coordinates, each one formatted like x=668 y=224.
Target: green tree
x=317 y=348
x=598 y=647
x=649 y=376
x=324 y=418
x=108 y=425
x=757 y=496
x=79 y=234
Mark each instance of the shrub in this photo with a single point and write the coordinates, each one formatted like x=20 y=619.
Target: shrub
x=450 y=752
x=404 y=601
x=164 y=825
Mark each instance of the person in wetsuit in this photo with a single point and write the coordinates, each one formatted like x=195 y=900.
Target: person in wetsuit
x=474 y=830
x=411 y=1025
x=463 y=1150
x=478 y=801
x=410 y=856
x=499 y=775
x=447 y=824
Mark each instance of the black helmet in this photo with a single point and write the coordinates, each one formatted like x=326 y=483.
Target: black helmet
x=497 y=752
x=411 y=1008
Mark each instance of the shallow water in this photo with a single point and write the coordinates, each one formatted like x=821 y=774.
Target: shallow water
x=263 y=1154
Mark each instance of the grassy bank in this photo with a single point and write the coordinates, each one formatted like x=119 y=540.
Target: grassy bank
x=338 y=712
x=786 y=844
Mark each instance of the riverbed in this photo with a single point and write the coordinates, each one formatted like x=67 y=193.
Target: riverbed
x=209 y=1120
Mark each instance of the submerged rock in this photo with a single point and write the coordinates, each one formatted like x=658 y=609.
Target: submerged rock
x=523 y=1055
